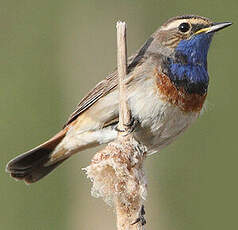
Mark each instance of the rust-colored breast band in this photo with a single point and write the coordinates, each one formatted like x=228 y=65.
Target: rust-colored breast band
x=177 y=96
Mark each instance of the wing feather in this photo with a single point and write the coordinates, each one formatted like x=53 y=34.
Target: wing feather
x=100 y=90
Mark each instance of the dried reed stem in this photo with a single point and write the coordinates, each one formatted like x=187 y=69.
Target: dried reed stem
x=124 y=112
x=117 y=170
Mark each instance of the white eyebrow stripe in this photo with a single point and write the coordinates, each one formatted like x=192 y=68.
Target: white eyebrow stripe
x=173 y=25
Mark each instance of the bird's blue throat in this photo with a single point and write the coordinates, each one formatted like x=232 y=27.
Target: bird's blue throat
x=188 y=68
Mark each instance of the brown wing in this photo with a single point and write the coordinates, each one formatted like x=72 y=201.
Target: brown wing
x=100 y=90
x=108 y=84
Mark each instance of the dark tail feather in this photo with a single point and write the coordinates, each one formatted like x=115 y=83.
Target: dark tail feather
x=31 y=166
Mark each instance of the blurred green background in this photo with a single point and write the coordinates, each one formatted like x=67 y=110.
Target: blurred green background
x=51 y=54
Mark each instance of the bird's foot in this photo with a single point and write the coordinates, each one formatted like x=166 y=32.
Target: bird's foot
x=130 y=127
x=141 y=217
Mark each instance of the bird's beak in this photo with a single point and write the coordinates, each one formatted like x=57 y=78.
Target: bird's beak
x=214 y=27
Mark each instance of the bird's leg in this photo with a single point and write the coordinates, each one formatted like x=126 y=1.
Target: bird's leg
x=141 y=217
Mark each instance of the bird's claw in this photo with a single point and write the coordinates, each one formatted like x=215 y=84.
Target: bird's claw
x=130 y=126
x=141 y=217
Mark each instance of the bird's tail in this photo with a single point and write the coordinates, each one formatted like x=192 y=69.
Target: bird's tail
x=32 y=165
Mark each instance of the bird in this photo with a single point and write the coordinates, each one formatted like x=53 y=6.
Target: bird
x=167 y=84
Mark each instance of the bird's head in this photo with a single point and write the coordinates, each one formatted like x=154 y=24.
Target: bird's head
x=188 y=34
x=185 y=41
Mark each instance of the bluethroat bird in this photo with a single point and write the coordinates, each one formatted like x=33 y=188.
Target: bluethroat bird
x=167 y=84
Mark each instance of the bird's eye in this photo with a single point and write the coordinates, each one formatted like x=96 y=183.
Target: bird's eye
x=184 y=27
